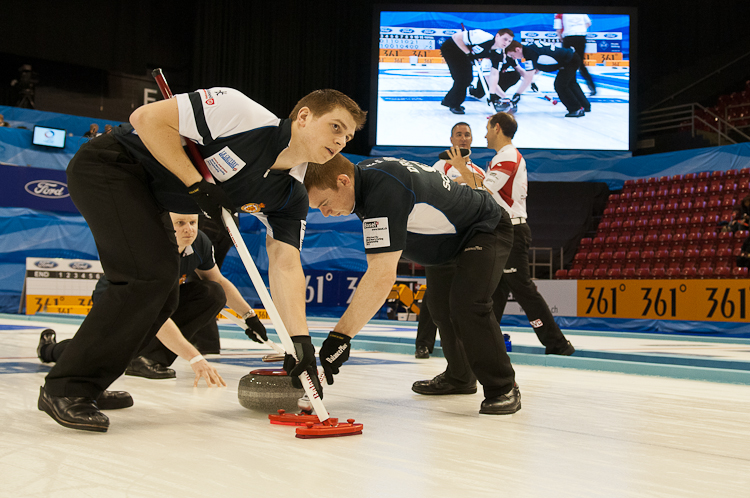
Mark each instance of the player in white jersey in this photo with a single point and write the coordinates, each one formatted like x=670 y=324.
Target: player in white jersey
x=459 y=51
x=507 y=181
x=124 y=182
x=571 y=29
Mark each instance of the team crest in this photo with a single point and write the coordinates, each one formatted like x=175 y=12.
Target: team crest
x=252 y=207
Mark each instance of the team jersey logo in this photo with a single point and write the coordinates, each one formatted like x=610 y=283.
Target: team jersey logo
x=252 y=207
x=376 y=233
x=224 y=164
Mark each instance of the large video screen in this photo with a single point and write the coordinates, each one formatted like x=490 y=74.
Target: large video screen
x=427 y=82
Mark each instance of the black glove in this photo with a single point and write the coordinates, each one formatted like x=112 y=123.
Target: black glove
x=255 y=330
x=210 y=199
x=534 y=88
x=516 y=98
x=333 y=353
x=305 y=351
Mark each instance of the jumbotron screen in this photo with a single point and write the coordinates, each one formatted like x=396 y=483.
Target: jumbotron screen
x=565 y=77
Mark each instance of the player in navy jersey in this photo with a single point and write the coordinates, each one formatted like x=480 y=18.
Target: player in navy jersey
x=550 y=58
x=459 y=50
x=199 y=302
x=123 y=183
x=460 y=235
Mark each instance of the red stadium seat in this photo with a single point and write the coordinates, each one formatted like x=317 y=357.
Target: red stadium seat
x=574 y=273
x=739 y=272
x=705 y=272
x=673 y=272
x=717 y=174
x=586 y=242
x=724 y=250
x=694 y=236
x=614 y=273
x=561 y=274
x=580 y=257
x=658 y=273
x=587 y=273
x=619 y=256
x=722 y=272
x=709 y=237
x=600 y=273
x=628 y=272
x=726 y=236
x=689 y=272
x=643 y=273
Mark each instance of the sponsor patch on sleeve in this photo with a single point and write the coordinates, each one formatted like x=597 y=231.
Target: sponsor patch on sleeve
x=376 y=233
x=224 y=164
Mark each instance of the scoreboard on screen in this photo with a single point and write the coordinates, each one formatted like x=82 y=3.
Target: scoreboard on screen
x=56 y=285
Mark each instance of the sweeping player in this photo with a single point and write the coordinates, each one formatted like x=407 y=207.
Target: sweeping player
x=507 y=181
x=550 y=58
x=124 y=182
x=460 y=235
x=459 y=51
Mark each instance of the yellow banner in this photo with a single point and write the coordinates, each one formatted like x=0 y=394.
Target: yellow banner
x=57 y=304
x=602 y=56
x=707 y=300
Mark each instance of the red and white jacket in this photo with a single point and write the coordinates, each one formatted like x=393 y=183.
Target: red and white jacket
x=507 y=181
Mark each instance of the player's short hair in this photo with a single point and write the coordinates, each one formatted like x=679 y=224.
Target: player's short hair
x=324 y=101
x=459 y=124
x=513 y=46
x=505 y=31
x=508 y=124
x=324 y=176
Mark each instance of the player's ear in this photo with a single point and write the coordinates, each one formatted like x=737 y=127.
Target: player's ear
x=344 y=180
x=303 y=116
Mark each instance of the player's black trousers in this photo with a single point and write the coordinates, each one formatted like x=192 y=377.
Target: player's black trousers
x=426 y=328
x=516 y=279
x=200 y=302
x=578 y=43
x=567 y=87
x=460 y=67
x=505 y=80
x=138 y=251
x=460 y=299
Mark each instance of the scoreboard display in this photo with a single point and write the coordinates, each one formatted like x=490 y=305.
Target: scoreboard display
x=56 y=285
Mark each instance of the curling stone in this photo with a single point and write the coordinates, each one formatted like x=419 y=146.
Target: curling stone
x=268 y=390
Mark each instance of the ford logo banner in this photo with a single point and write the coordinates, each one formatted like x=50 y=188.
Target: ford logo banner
x=45 y=264
x=48 y=189
x=79 y=265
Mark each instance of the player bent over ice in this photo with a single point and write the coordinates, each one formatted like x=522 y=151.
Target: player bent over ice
x=124 y=182
x=462 y=237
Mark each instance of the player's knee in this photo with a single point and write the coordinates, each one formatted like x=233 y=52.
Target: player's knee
x=214 y=293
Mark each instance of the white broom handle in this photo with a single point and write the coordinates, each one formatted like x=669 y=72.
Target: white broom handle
x=273 y=313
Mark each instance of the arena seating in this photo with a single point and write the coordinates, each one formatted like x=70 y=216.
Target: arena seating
x=666 y=227
x=735 y=107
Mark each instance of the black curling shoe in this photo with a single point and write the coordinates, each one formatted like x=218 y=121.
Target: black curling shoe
x=73 y=412
x=505 y=404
